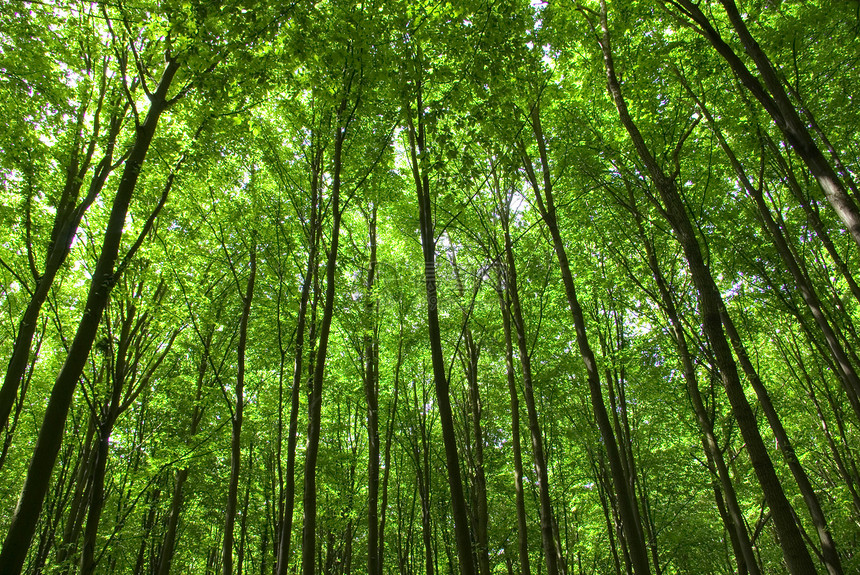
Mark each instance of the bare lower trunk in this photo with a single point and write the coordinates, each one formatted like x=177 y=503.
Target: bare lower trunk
x=315 y=398
x=371 y=394
x=286 y=523
x=552 y=554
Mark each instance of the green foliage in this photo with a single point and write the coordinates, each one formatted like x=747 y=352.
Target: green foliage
x=246 y=148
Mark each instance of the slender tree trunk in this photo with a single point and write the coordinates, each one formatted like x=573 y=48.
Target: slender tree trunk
x=522 y=523
x=146 y=524
x=80 y=496
x=552 y=554
x=97 y=499
x=421 y=174
x=168 y=545
x=315 y=400
x=421 y=458
x=389 y=434
x=546 y=206
x=285 y=535
x=618 y=409
x=810 y=498
x=845 y=368
x=797 y=133
x=469 y=359
x=371 y=394
x=56 y=505
x=793 y=358
x=19 y=402
x=238 y=414
x=610 y=513
x=243 y=523
x=810 y=209
x=106 y=421
x=725 y=493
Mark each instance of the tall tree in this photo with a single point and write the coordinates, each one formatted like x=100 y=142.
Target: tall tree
x=342 y=118
x=420 y=167
x=237 y=411
x=543 y=190
x=794 y=547
x=23 y=524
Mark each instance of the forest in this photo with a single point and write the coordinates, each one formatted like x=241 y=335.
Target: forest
x=464 y=287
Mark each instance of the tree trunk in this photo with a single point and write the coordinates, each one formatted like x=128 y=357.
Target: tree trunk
x=522 y=523
x=828 y=546
x=168 y=545
x=238 y=413
x=243 y=523
x=847 y=470
x=392 y=416
x=552 y=554
x=846 y=373
x=811 y=210
x=315 y=399
x=146 y=524
x=66 y=221
x=469 y=359
x=421 y=175
x=286 y=523
x=422 y=468
x=546 y=206
x=725 y=494
x=776 y=102
x=371 y=394
x=845 y=369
